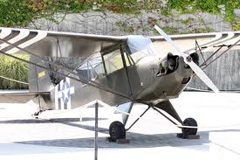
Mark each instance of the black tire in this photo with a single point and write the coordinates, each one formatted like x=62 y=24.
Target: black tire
x=117 y=131
x=189 y=131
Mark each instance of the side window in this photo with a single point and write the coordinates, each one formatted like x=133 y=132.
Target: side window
x=113 y=61
x=92 y=67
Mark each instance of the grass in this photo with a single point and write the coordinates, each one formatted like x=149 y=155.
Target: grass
x=13 y=69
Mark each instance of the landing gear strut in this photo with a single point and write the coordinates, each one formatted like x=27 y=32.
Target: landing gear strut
x=36 y=114
x=117 y=129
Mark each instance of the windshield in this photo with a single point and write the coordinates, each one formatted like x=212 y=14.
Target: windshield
x=140 y=47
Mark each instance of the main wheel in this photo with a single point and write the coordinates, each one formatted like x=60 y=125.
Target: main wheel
x=117 y=131
x=189 y=122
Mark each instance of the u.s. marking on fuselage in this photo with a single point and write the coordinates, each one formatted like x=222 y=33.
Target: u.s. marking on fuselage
x=63 y=93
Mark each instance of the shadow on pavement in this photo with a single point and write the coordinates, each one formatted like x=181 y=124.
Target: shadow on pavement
x=137 y=140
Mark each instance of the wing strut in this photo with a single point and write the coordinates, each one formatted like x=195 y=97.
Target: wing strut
x=221 y=53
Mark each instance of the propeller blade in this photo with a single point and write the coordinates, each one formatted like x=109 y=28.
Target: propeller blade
x=169 y=40
x=197 y=70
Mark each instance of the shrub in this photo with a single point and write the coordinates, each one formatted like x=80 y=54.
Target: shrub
x=13 y=69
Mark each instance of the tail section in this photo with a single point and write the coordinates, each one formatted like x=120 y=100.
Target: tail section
x=41 y=84
x=39 y=79
x=42 y=81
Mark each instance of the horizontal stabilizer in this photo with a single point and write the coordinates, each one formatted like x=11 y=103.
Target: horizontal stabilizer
x=18 y=96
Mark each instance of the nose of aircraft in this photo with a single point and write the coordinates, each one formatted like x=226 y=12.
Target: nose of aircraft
x=168 y=65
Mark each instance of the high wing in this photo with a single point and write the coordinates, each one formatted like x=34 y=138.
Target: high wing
x=68 y=44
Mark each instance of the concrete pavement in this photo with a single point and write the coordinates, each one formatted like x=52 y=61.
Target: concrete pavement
x=60 y=134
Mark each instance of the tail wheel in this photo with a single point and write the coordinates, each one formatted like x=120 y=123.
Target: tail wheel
x=189 y=122
x=117 y=131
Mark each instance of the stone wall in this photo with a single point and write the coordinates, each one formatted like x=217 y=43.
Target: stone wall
x=224 y=72
x=108 y=23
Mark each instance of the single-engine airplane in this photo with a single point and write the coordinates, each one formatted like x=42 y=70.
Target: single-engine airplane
x=69 y=70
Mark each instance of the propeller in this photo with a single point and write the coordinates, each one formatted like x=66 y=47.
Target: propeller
x=188 y=60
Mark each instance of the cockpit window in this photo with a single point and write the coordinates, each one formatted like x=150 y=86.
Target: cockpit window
x=98 y=65
x=113 y=61
x=92 y=67
x=101 y=64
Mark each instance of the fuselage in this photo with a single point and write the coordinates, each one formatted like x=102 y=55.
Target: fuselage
x=141 y=83
x=121 y=76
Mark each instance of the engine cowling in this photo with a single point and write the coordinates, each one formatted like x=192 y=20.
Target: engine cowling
x=168 y=65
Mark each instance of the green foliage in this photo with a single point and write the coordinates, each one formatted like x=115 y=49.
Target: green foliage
x=180 y=5
x=236 y=24
x=125 y=27
x=223 y=7
x=13 y=69
x=210 y=6
x=188 y=21
x=20 y=13
x=118 y=6
x=170 y=30
x=14 y=13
